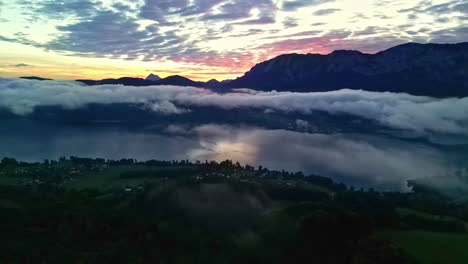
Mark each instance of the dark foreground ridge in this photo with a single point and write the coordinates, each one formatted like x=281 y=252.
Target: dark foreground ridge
x=82 y=210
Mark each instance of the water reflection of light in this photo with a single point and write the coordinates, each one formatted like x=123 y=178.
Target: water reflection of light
x=223 y=150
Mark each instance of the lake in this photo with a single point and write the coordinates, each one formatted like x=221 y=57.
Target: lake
x=380 y=160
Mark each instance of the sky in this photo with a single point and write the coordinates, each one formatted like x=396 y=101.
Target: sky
x=205 y=39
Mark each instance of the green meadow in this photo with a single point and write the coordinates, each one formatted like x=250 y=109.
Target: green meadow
x=430 y=247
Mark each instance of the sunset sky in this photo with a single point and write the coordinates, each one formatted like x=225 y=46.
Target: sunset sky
x=205 y=39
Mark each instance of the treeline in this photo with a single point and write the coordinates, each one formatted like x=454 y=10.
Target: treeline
x=226 y=166
x=182 y=224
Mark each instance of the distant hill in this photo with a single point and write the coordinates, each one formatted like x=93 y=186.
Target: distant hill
x=35 y=78
x=181 y=81
x=439 y=70
x=124 y=80
x=153 y=79
x=150 y=80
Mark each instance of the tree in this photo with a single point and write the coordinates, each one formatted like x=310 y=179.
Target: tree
x=9 y=162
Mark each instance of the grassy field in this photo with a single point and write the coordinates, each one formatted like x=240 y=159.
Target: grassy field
x=407 y=211
x=430 y=247
x=110 y=178
x=9 y=181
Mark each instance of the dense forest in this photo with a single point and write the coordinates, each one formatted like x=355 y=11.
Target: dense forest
x=81 y=210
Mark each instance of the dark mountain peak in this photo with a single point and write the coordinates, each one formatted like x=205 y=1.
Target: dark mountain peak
x=213 y=83
x=153 y=78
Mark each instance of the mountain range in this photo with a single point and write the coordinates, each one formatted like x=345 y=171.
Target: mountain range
x=438 y=70
x=150 y=80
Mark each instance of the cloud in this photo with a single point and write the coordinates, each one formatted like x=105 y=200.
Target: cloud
x=60 y=9
x=324 y=42
x=324 y=12
x=250 y=32
x=241 y=9
x=356 y=159
x=258 y=21
x=302 y=125
x=119 y=35
x=400 y=111
x=111 y=33
x=290 y=22
x=158 y=10
x=299 y=34
x=2 y=20
x=426 y=7
x=450 y=7
x=22 y=96
x=370 y=30
x=167 y=108
x=310 y=44
x=462 y=8
x=456 y=34
x=21 y=65
x=293 y=5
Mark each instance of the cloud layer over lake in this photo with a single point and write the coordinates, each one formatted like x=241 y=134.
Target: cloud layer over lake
x=401 y=111
x=357 y=159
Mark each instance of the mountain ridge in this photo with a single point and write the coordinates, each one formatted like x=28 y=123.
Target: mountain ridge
x=438 y=70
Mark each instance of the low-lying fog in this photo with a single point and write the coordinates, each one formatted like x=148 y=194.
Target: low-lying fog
x=414 y=136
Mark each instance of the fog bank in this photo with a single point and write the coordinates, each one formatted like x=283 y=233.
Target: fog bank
x=400 y=111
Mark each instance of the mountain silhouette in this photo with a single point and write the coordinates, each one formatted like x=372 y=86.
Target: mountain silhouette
x=439 y=70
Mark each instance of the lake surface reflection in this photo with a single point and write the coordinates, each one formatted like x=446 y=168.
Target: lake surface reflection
x=374 y=160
